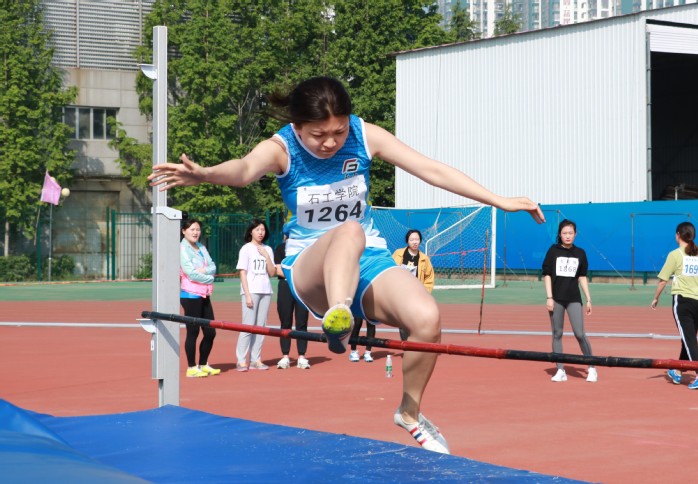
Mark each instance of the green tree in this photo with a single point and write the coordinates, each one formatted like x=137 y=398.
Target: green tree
x=508 y=23
x=226 y=55
x=33 y=137
x=462 y=26
x=219 y=66
x=366 y=33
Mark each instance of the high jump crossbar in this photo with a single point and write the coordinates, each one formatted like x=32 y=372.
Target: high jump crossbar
x=449 y=349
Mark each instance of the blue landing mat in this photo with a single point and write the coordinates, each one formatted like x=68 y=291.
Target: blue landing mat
x=174 y=444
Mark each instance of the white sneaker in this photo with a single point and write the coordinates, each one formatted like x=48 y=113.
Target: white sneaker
x=367 y=357
x=592 y=376
x=354 y=356
x=284 y=363
x=303 y=363
x=560 y=376
x=434 y=430
x=424 y=432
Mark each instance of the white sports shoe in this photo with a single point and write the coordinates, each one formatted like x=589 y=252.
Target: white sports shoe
x=561 y=375
x=367 y=357
x=284 y=363
x=354 y=356
x=424 y=432
x=303 y=363
x=592 y=376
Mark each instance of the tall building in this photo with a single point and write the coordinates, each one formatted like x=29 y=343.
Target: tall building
x=94 y=42
x=539 y=14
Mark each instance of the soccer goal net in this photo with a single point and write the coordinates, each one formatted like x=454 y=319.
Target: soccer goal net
x=460 y=241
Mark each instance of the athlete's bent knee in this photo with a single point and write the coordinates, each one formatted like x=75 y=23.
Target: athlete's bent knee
x=425 y=324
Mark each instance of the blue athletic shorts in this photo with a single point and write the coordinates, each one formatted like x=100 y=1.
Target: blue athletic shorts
x=373 y=263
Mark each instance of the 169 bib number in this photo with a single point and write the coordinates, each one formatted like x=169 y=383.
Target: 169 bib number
x=690 y=266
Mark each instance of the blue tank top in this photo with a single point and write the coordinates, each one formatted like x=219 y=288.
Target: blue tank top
x=321 y=194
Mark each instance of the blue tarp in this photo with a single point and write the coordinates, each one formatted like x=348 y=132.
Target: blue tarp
x=174 y=444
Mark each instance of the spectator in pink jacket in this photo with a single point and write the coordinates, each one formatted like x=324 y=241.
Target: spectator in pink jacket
x=196 y=271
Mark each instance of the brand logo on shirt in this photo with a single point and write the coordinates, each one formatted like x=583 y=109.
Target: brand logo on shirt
x=350 y=166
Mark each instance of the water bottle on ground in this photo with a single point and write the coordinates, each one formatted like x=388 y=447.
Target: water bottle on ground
x=388 y=367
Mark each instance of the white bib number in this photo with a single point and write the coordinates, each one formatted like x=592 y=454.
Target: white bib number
x=326 y=206
x=259 y=266
x=690 y=265
x=566 y=266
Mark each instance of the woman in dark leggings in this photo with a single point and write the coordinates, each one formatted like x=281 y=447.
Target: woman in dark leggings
x=370 y=333
x=681 y=265
x=196 y=271
x=564 y=272
x=286 y=306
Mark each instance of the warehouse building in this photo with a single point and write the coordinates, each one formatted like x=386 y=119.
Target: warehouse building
x=602 y=111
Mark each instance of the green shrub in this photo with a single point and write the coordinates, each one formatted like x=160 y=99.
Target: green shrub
x=17 y=268
x=61 y=268
x=145 y=270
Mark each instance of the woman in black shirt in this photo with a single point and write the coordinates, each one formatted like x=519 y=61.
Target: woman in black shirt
x=564 y=271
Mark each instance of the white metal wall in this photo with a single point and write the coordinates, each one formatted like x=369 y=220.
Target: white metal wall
x=558 y=115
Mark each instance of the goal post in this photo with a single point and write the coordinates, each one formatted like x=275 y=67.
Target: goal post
x=460 y=241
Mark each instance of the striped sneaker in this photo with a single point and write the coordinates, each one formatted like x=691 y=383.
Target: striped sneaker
x=433 y=430
x=424 y=432
x=337 y=324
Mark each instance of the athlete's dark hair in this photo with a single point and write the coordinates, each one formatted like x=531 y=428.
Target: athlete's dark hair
x=186 y=223
x=563 y=224
x=315 y=99
x=413 y=231
x=687 y=232
x=253 y=225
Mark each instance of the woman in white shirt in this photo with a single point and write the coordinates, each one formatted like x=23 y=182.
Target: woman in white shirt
x=256 y=266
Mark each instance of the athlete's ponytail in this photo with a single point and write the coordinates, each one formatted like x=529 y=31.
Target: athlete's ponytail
x=687 y=232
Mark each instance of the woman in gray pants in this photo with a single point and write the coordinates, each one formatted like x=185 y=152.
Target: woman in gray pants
x=564 y=271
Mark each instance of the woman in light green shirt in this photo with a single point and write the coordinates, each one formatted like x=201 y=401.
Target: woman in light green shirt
x=682 y=265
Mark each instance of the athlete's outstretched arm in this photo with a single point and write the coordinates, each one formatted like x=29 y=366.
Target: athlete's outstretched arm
x=386 y=146
x=267 y=157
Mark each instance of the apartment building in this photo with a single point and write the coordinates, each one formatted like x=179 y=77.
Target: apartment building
x=539 y=14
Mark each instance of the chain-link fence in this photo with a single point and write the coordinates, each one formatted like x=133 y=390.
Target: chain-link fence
x=129 y=240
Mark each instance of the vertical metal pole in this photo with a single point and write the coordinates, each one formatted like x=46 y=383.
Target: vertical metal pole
x=106 y=255
x=632 y=251
x=648 y=118
x=114 y=218
x=504 y=251
x=50 y=239
x=39 y=228
x=166 y=226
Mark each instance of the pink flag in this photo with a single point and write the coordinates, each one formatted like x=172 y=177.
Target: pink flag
x=51 y=192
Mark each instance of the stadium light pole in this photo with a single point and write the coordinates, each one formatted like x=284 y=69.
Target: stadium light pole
x=166 y=228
